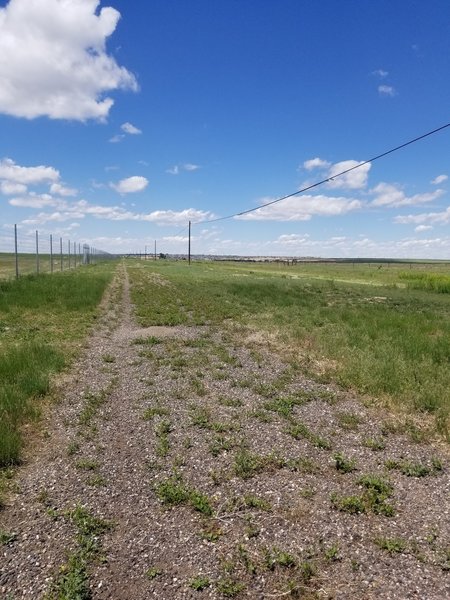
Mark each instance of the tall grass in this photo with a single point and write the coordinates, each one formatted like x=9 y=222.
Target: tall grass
x=435 y=282
x=383 y=341
x=41 y=320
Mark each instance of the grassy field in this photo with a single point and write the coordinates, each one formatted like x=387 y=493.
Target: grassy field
x=383 y=331
x=42 y=320
x=27 y=264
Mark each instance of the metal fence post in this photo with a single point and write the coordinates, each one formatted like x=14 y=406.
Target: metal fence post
x=37 y=252
x=51 y=253
x=15 y=252
x=68 y=246
x=61 y=252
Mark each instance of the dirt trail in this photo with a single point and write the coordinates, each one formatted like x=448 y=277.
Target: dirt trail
x=243 y=450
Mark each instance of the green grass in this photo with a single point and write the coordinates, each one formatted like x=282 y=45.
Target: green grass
x=42 y=319
x=361 y=326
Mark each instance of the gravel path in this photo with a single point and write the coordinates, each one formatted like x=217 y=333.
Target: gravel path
x=212 y=468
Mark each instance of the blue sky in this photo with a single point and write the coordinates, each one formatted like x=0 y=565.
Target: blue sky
x=121 y=121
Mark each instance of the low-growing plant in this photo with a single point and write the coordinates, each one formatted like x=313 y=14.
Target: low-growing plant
x=174 y=491
x=344 y=464
x=155 y=411
x=391 y=545
x=351 y=504
x=349 y=420
x=229 y=586
x=153 y=572
x=200 y=582
x=374 y=444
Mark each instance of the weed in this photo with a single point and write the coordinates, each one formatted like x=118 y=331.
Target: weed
x=211 y=533
x=253 y=501
x=351 y=504
x=231 y=402
x=7 y=538
x=200 y=416
x=152 y=572
x=378 y=490
x=155 y=411
x=200 y=582
x=198 y=386
x=220 y=444
x=374 y=444
x=97 y=481
x=73 y=448
x=299 y=430
x=174 y=491
x=229 y=587
x=246 y=464
x=276 y=557
x=87 y=464
x=391 y=545
x=261 y=415
x=332 y=552
x=343 y=464
x=108 y=358
x=162 y=430
x=348 y=421
x=411 y=469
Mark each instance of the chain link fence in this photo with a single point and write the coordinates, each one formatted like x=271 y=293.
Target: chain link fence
x=23 y=254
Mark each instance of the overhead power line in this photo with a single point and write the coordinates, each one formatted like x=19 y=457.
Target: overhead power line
x=335 y=176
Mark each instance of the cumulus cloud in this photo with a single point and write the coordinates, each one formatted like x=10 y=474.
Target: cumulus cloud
x=66 y=211
x=53 y=59
x=434 y=218
x=115 y=139
x=315 y=163
x=387 y=90
x=389 y=195
x=13 y=173
x=177 y=169
x=354 y=180
x=420 y=228
x=130 y=185
x=10 y=187
x=439 y=179
x=33 y=200
x=302 y=208
x=61 y=190
x=130 y=129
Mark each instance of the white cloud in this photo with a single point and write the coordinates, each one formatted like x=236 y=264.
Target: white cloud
x=315 y=163
x=390 y=195
x=10 y=187
x=439 y=179
x=130 y=185
x=61 y=190
x=420 y=228
x=355 y=180
x=14 y=173
x=380 y=73
x=130 y=129
x=53 y=60
x=435 y=218
x=302 y=208
x=33 y=200
x=176 y=169
x=387 y=90
x=115 y=139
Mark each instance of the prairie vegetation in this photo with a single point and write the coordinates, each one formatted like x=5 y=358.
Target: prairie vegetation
x=389 y=340
x=42 y=320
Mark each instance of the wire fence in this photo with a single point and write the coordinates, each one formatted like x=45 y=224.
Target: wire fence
x=23 y=254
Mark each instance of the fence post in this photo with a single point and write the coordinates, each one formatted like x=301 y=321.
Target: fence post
x=75 y=255
x=68 y=246
x=37 y=252
x=51 y=253
x=61 y=252
x=15 y=252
